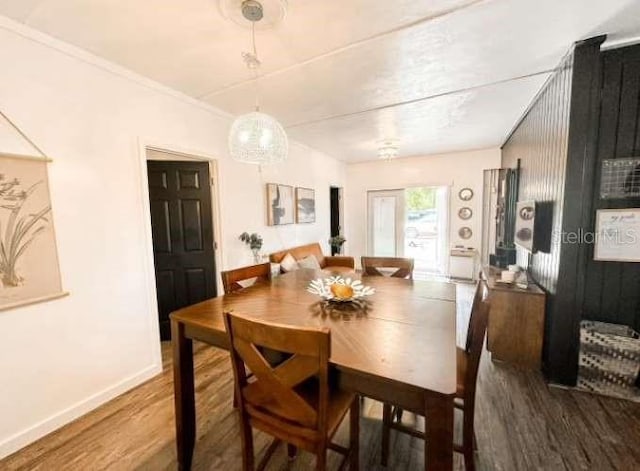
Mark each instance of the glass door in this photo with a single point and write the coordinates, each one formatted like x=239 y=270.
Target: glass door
x=386 y=223
x=411 y=222
x=426 y=229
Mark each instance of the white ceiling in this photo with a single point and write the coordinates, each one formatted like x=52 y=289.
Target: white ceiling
x=343 y=74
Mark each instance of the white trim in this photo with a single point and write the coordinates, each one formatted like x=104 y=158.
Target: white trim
x=48 y=425
x=191 y=154
x=619 y=42
x=104 y=64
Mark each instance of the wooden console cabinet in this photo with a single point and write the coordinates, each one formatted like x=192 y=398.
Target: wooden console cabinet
x=516 y=322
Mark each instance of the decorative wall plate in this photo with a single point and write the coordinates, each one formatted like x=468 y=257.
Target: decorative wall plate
x=465 y=213
x=465 y=232
x=339 y=289
x=527 y=212
x=465 y=194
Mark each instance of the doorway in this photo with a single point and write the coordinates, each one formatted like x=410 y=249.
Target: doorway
x=335 y=206
x=182 y=233
x=413 y=223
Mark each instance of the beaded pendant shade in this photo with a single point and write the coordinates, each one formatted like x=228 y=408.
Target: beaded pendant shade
x=256 y=137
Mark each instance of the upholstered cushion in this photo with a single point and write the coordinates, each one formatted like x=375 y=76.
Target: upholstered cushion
x=299 y=253
x=288 y=263
x=275 y=270
x=309 y=262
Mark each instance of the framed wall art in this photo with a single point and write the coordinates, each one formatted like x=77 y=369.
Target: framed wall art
x=305 y=205
x=29 y=267
x=280 y=204
x=617 y=237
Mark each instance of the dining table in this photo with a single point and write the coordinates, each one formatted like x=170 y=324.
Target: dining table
x=397 y=346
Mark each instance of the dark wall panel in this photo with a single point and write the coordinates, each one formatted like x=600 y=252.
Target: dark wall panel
x=612 y=289
x=540 y=143
x=589 y=111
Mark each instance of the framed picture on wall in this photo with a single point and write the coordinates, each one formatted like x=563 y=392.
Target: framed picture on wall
x=29 y=267
x=305 y=205
x=280 y=204
x=617 y=235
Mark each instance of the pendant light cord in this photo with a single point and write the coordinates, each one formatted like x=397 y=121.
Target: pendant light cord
x=256 y=69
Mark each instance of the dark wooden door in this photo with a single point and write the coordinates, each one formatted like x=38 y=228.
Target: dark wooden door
x=182 y=228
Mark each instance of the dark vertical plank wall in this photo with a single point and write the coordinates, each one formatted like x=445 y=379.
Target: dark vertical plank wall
x=612 y=289
x=539 y=141
x=587 y=112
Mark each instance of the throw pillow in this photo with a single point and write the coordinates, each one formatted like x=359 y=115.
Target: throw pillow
x=288 y=263
x=309 y=262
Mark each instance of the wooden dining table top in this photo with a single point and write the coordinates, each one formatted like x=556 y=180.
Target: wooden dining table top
x=405 y=332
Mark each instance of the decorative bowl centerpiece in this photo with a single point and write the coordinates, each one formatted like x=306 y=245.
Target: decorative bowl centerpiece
x=339 y=289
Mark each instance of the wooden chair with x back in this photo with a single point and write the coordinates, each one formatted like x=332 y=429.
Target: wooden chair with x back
x=468 y=362
x=372 y=266
x=292 y=401
x=231 y=278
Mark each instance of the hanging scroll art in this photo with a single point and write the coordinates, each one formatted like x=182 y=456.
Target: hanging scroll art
x=29 y=268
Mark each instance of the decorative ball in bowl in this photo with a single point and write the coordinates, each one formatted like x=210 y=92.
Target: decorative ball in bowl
x=339 y=289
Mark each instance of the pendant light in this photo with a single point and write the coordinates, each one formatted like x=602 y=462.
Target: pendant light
x=256 y=137
x=388 y=149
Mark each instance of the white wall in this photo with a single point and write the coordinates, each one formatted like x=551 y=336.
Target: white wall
x=62 y=358
x=456 y=170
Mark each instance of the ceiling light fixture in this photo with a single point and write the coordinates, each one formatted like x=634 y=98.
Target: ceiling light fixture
x=256 y=137
x=388 y=149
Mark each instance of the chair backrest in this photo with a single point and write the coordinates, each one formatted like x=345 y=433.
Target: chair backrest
x=271 y=398
x=299 y=253
x=230 y=278
x=371 y=266
x=475 y=335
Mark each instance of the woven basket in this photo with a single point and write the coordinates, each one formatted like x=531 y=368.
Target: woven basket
x=609 y=359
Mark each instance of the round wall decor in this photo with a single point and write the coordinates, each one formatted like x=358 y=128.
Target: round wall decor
x=465 y=232
x=465 y=194
x=465 y=213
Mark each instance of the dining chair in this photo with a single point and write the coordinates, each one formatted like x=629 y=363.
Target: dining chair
x=467 y=364
x=371 y=266
x=231 y=278
x=231 y=282
x=293 y=401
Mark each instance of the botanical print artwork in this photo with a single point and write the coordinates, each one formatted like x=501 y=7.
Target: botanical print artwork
x=279 y=204
x=305 y=205
x=29 y=269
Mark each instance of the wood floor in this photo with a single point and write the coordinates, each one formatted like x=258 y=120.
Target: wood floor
x=521 y=425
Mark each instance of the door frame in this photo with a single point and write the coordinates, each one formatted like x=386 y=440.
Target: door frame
x=180 y=154
x=340 y=191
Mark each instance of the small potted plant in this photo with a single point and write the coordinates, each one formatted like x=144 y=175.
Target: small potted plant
x=254 y=241
x=336 y=243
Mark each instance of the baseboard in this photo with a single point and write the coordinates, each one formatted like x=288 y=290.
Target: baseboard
x=46 y=426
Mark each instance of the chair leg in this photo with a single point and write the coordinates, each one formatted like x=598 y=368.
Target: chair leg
x=321 y=459
x=468 y=439
x=386 y=433
x=246 y=438
x=397 y=414
x=292 y=451
x=354 y=435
